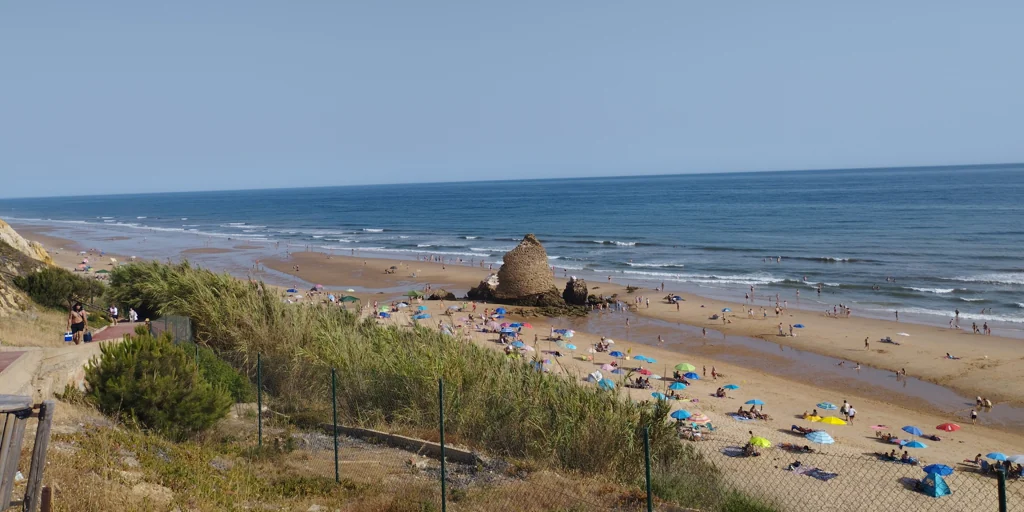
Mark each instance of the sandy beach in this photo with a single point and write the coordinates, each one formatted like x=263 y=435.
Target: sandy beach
x=922 y=353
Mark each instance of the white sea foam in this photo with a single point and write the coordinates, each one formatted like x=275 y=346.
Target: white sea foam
x=318 y=236
x=403 y=237
x=932 y=290
x=1020 y=304
x=963 y=315
x=976 y=299
x=373 y=230
x=470 y=237
x=424 y=245
x=994 y=278
x=387 y=249
x=747 y=279
x=615 y=242
x=140 y=217
x=491 y=249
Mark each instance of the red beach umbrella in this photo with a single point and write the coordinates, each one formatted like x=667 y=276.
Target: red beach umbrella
x=527 y=325
x=949 y=427
x=645 y=371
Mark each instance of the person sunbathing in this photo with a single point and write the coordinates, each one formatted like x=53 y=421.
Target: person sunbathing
x=802 y=430
x=720 y=393
x=976 y=460
x=932 y=437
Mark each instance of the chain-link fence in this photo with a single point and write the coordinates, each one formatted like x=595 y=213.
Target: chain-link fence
x=727 y=471
x=180 y=327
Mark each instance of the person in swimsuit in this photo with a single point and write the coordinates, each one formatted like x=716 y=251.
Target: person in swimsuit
x=78 y=321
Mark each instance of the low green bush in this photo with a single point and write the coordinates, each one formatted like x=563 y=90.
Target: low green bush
x=55 y=287
x=218 y=372
x=154 y=383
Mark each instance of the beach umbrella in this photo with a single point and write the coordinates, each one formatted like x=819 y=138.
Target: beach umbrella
x=820 y=437
x=569 y=346
x=912 y=430
x=528 y=325
x=606 y=384
x=349 y=298
x=681 y=414
x=607 y=367
x=828 y=406
x=832 y=420
x=528 y=348
x=949 y=427
x=760 y=442
x=402 y=305
x=421 y=316
x=505 y=324
x=656 y=376
x=492 y=326
x=997 y=456
x=384 y=309
x=726 y=310
x=350 y=290
x=518 y=344
x=421 y=308
x=292 y=290
x=730 y=386
x=385 y=315
x=938 y=469
x=677 y=386
x=103 y=271
x=569 y=334
x=798 y=326
x=412 y=293
x=455 y=308
x=616 y=353
x=640 y=358
x=659 y=395
x=699 y=417
x=508 y=330
x=691 y=376
x=517 y=324
x=878 y=427
x=913 y=444
x=561 y=331
x=754 y=402
x=500 y=311
x=319 y=287
x=609 y=341
x=644 y=371
x=685 y=367
x=1016 y=459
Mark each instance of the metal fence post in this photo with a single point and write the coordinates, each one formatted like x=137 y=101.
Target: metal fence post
x=440 y=402
x=647 y=467
x=259 y=396
x=334 y=408
x=1002 y=490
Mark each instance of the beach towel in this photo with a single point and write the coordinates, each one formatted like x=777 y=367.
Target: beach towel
x=824 y=476
x=732 y=451
x=802 y=470
x=739 y=418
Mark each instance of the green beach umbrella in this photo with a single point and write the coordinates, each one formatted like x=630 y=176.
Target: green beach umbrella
x=349 y=298
x=103 y=271
x=414 y=293
x=685 y=367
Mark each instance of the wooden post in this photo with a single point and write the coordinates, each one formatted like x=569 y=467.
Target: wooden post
x=46 y=500
x=33 y=492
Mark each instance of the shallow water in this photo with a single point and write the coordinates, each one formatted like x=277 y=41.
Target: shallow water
x=776 y=359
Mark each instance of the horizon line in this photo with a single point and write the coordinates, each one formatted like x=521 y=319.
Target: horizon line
x=568 y=178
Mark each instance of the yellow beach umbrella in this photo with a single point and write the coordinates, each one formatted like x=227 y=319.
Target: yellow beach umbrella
x=813 y=418
x=760 y=442
x=832 y=420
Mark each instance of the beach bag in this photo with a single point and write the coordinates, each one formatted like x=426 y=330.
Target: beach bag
x=87 y=337
x=68 y=337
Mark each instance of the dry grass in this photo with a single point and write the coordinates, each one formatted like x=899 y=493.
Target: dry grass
x=35 y=327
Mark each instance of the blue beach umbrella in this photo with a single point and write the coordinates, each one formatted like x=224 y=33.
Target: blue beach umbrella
x=606 y=384
x=1016 y=459
x=507 y=330
x=730 y=386
x=518 y=344
x=798 y=326
x=914 y=444
x=828 y=406
x=640 y=358
x=500 y=311
x=659 y=395
x=421 y=308
x=516 y=325
x=616 y=353
x=820 y=437
x=997 y=456
x=938 y=469
x=569 y=346
x=754 y=402
x=385 y=315
x=423 y=316
x=691 y=376
x=677 y=386
x=912 y=430
x=681 y=414
x=292 y=290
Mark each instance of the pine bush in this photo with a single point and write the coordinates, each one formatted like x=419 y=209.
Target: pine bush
x=155 y=384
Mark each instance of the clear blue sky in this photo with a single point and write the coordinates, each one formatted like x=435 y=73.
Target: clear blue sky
x=106 y=97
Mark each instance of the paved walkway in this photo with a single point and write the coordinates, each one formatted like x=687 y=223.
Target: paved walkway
x=115 y=332
x=6 y=358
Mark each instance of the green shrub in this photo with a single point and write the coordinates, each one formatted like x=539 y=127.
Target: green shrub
x=154 y=383
x=55 y=287
x=218 y=372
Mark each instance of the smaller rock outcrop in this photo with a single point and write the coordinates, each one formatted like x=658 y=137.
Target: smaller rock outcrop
x=575 y=292
x=482 y=292
x=442 y=295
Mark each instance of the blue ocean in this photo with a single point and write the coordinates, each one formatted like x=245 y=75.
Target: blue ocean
x=923 y=241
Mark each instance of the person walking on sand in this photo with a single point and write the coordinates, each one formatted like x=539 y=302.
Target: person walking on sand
x=714 y=373
x=704 y=369
x=897 y=315
x=974 y=416
x=850 y=414
x=867 y=345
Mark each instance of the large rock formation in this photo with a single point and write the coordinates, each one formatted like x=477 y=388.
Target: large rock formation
x=31 y=249
x=575 y=292
x=525 y=272
x=17 y=257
